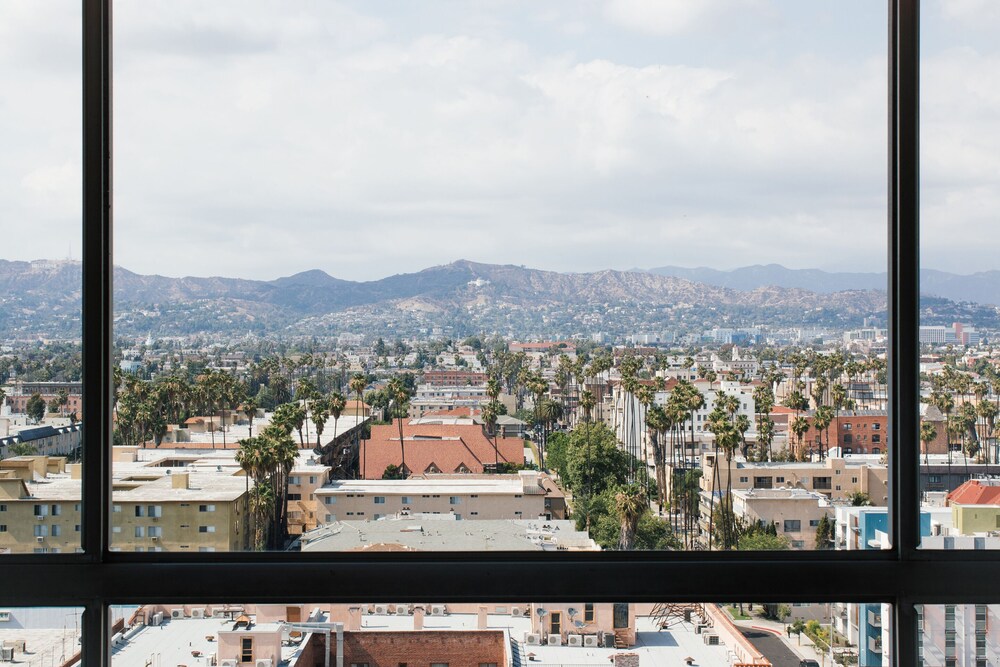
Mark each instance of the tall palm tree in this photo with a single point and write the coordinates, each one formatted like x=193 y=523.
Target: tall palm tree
x=319 y=413
x=357 y=383
x=335 y=403
x=927 y=435
x=401 y=397
x=250 y=410
x=630 y=504
x=800 y=426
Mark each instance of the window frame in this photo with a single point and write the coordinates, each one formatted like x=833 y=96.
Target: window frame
x=901 y=576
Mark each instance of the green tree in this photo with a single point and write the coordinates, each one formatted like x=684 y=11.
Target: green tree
x=824 y=534
x=35 y=408
x=22 y=449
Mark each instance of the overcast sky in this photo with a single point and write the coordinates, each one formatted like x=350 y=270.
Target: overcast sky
x=258 y=139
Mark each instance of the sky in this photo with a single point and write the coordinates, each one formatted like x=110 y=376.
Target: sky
x=261 y=138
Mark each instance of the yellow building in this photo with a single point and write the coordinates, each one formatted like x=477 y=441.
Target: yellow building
x=975 y=507
x=154 y=508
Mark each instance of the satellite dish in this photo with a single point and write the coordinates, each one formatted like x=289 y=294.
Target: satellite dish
x=572 y=611
x=579 y=624
x=541 y=612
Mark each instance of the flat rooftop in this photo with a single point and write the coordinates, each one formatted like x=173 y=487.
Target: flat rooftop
x=174 y=642
x=494 y=484
x=444 y=533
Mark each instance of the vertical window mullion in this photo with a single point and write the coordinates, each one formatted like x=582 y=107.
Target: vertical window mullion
x=97 y=279
x=904 y=275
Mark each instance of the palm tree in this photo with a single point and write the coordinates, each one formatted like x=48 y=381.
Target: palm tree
x=336 y=403
x=489 y=415
x=549 y=412
x=927 y=435
x=250 y=410
x=800 y=426
x=357 y=384
x=657 y=422
x=400 y=395
x=319 y=413
x=821 y=422
x=630 y=504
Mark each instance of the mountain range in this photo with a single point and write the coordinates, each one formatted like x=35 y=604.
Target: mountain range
x=43 y=297
x=982 y=287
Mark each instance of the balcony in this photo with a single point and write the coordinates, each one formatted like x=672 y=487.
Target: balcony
x=874 y=618
x=875 y=644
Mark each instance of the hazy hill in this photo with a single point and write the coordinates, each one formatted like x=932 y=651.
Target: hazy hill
x=983 y=287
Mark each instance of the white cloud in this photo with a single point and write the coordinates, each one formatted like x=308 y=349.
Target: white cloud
x=663 y=17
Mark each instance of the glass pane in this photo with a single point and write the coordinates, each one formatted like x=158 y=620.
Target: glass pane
x=40 y=277
x=483 y=181
x=40 y=635
x=568 y=633
x=958 y=634
x=960 y=386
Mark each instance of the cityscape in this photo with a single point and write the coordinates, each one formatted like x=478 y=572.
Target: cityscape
x=546 y=310
x=742 y=437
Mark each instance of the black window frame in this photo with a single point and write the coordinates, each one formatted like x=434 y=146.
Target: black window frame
x=902 y=576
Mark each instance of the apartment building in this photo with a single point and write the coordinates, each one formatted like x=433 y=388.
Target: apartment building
x=836 y=478
x=975 y=506
x=526 y=495
x=154 y=509
x=795 y=513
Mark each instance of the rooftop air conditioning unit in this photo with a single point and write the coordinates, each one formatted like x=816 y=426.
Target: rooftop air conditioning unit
x=381 y=610
x=532 y=639
x=554 y=640
x=218 y=613
x=6 y=655
x=575 y=640
x=228 y=663
x=590 y=641
x=176 y=613
x=437 y=610
x=710 y=639
x=402 y=610
x=516 y=611
x=197 y=613
x=157 y=618
x=263 y=662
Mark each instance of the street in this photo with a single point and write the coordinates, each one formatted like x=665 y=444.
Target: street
x=772 y=647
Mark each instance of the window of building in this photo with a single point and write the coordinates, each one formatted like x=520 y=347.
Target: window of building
x=92 y=500
x=246 y=649
x=206 y=508
x=588 y=612
x=792 y=526
x=379 y=500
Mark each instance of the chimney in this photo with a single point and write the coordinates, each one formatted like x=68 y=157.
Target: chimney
x=75 y=470
x=353 y=619
x=482 y=622
x=179 y=480
x=529 y=479
x=418 y=618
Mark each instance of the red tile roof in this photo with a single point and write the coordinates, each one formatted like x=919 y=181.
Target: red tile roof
x=975 y=492
x=445 y=448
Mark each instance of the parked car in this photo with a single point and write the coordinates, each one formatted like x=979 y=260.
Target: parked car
x=808 y=663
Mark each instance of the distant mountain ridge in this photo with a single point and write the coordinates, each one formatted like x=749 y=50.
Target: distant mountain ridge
x=43 y=298
x=982 y=287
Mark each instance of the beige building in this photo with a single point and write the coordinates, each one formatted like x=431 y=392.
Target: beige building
x=155 y=508
x=796 y=513
x=836 y=478
x=526 y=495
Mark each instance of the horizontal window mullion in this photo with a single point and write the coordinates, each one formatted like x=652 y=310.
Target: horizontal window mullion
x=503 y=580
